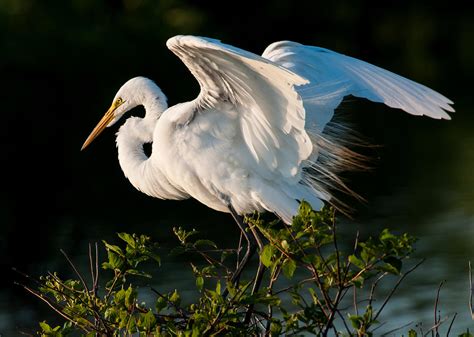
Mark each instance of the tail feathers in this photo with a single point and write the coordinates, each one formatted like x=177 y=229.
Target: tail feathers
x=333 y=155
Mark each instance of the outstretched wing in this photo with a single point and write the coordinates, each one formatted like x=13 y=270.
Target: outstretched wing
x=333 y=76
x=270 y=112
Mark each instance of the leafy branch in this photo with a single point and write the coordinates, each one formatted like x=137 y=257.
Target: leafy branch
x=308 y=278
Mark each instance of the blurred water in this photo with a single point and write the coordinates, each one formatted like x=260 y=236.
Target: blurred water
x=424 y=189
x=62 y=62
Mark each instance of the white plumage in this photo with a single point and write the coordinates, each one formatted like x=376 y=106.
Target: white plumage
x=254 y=137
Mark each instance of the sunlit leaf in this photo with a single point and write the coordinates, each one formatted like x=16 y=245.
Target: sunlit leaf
x=127 y=238
x=356 y=261
x=289 y=267
x=394 y=262
x=412 y=333
x=149 y=320
x=175 y=298
x=266 y=255
x=199 y=282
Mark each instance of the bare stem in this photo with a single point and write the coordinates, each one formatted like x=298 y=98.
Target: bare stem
x=451 y=324
x=396 y=287
x=436 y=317
x=374 y=286
x=471 y=290
x=75 y=270
x=56 y=309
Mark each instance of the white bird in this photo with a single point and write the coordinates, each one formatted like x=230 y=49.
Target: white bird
x=257 y=137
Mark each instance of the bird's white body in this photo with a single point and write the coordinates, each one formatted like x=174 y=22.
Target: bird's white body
x=256 y=138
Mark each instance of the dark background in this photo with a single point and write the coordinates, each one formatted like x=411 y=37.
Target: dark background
x=61 y=63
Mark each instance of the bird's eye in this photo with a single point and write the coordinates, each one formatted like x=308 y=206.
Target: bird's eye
x=119 y=101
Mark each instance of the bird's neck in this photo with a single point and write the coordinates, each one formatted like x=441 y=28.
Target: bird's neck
x=143 y=173
x=152 y=99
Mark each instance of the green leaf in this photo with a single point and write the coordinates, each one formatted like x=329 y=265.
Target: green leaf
x=160 y=304
x=356 y=261
x=149 y=320
x=218 y=287
x=155 y=257
x=275 y=328
x=115 y=261
x=412 y=333
x=356 y=321
x=130 y=296
x=466 y=334
x=386 y=235
x=45 y=327
x=266 y=255
x=199 y=282
x=128 y=239
x=394 y=262
x=116 y=249
x=175 y=298
x=119 y=297
x=179 y=250
x=359 y=281
x=204 y=243
x=389 y=269
x=289 y=267
x=138 y=273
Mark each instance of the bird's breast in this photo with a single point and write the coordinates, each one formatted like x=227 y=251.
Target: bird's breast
x=204 y=157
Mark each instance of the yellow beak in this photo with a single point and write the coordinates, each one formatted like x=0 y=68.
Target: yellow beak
x=109 y=115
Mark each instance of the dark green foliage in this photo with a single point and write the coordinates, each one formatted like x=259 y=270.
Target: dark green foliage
x=317 y=270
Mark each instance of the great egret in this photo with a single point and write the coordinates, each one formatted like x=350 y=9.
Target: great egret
x=257 y=137
x=254 y=138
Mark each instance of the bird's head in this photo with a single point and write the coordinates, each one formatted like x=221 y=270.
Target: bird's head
x=136 y=91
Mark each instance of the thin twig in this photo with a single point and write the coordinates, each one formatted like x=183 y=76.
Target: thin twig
x=338 y=298
x=396 y=287
x=436 y=317
x=178 y=308
x=93 y=311
x=27 y=276
x=112 y=286
x=223 y=311
x=393 y=330
x=91 y=264
x=327 y=300
x=59 y=281
x=433 y=328
x=96 y=280
x=471 y=291
x=374 y=285
x=344 y=322
x=338 y=264
x=346 y=271
x=95 y=286
x=94 y=265
x=451 y=324
x=354 y=250
x=354 y=298
x=58 y=310
x=130 y=318
x=75 y=270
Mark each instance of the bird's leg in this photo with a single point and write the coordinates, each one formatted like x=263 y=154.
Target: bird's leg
x=258 y=276
x=250 y=245
x=248 y=254
x=239 y=248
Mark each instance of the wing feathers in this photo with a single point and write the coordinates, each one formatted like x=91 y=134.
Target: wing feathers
x=270 y=111
x=333 y=76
